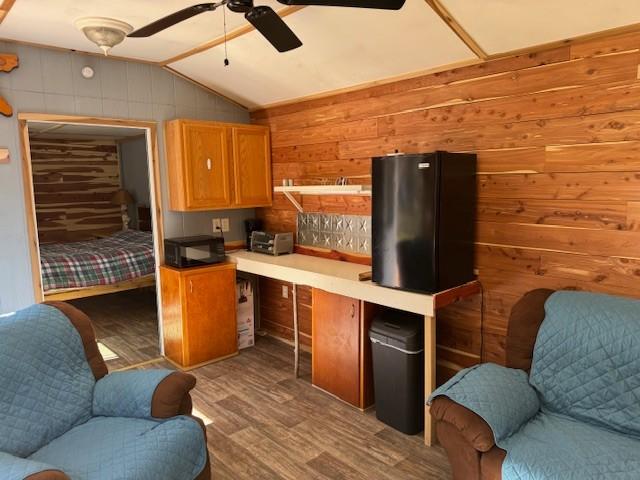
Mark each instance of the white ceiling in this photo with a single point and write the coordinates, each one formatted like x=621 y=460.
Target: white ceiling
x=504 y=25
x=51 y=22
x=343 y=47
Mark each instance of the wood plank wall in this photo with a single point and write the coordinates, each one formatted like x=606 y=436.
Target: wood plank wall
x=276 y=311
x=73 y=182
x=557 y=135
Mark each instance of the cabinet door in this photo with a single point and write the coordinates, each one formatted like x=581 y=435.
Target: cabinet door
x=252 y=166
x=206 y=166
x=336 y=345
x=210 y=320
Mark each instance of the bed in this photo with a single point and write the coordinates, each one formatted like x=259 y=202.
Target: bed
x=122 y=261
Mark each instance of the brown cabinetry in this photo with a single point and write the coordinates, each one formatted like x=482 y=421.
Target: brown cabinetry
x=341 y=354
x=199 y=313
x=216 y=165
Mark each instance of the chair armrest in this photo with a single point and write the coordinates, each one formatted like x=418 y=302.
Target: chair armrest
x=501 y=397
x=16 y=468
x=143 y=394
x=471 y=426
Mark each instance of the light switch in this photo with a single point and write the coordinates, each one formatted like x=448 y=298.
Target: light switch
x=225 y=224
x=217 y=225
x=285 y=291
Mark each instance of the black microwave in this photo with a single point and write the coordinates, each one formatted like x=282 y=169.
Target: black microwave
x=193 y=251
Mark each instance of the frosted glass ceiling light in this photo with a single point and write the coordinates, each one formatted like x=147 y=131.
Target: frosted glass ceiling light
x=104 y=32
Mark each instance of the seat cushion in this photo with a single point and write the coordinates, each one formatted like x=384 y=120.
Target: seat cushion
x=116 y=448
x=556 y=447
x=47 y=384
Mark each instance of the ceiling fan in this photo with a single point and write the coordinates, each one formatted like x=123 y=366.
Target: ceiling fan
x=262 y=17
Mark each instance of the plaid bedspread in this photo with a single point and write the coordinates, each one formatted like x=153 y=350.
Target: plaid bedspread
x=123 y=256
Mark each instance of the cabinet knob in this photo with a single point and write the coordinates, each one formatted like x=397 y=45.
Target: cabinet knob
x=353 y=310
x=191 y=286
x=208 y=164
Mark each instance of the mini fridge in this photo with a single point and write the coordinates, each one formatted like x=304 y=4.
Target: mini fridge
x=423 y=220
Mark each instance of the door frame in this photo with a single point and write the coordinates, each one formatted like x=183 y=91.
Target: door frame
x=150 y=130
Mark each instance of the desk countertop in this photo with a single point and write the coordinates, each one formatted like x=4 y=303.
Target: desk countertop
x=333 y=276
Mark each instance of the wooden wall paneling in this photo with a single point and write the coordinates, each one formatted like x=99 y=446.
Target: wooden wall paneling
x=606 y=46
x=568 y=213
x=621 y=156
x=73 y=182
x=308 y=108
x=276 y=312
x=358 y=129
x=558 y=140
x=585 y=186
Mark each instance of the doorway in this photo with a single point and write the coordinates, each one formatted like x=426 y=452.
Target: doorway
x=94 y=222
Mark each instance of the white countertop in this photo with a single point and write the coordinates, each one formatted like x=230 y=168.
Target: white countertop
x=332 y=276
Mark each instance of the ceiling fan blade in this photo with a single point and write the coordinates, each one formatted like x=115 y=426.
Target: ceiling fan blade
x=172 y=19
x=269 y=24
x=379 y=4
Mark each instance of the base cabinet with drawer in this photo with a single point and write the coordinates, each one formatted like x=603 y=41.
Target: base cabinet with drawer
x=215 y=165
x=199 y=321
x=341 y=351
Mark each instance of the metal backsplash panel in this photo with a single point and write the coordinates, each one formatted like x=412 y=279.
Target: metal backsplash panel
x=345 y=233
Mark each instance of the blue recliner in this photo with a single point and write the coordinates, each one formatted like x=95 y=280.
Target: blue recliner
x=63 y=417
x=574 y=416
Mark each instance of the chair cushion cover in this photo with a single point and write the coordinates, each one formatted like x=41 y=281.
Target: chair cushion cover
x=16 y=468
x=586 y=361
x=556 y=447
x=47 y=385
x=113 y=448
x=127 y=394
x=501 y=396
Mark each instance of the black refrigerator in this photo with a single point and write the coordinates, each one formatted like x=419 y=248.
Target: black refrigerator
x=423 y=220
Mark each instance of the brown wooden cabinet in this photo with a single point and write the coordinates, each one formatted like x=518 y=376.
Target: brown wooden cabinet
x=216 y=165
x=199 y=313
x=252 y=165
x=341 y=353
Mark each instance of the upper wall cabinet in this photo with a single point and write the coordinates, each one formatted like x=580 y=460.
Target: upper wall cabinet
x=218 y=165
x=252 y=165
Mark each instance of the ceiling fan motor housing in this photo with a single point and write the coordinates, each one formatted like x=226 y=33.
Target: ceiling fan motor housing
x=240 y=6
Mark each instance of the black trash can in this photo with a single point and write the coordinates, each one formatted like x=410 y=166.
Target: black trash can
x=397 y=344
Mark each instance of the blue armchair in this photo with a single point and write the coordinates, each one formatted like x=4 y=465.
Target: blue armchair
x=62 y=416
x=566 y=406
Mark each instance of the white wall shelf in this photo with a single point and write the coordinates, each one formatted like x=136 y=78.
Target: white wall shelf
x=364 y=190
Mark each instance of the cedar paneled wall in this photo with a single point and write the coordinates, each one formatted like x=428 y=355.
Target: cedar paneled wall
x=276 y=312
x=73 y=182
x=557 y=135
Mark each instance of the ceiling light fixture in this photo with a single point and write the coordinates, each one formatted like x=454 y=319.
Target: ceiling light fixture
x=106 y=33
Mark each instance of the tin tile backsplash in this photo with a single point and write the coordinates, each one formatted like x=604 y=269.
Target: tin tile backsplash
x=345 y=233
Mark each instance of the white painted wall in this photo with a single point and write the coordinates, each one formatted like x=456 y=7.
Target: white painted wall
x=134 y=174
x=49 y=81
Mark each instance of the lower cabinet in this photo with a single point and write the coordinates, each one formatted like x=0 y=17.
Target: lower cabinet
x=341 y=351
x=199 y=319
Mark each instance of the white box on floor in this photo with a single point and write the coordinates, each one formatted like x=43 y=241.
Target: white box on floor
x=245 y=299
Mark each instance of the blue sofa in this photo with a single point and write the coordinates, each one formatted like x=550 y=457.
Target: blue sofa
x=62 y=416
x=566 y=406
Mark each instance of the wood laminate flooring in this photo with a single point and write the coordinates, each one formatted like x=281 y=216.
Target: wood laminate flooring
x=265 y=424
x=126 y=323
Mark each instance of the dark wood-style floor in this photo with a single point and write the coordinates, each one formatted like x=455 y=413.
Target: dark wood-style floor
x=267 y=425
x=127 y=323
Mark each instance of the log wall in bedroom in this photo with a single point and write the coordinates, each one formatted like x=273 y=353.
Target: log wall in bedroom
x=73 y=182
x=557 y=135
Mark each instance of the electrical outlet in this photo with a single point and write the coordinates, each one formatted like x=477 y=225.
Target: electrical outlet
x=285 y=291
x=225 y=224
x=217 y=225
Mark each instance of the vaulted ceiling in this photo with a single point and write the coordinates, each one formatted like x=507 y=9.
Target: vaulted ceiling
x=342 y=47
